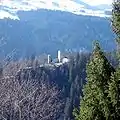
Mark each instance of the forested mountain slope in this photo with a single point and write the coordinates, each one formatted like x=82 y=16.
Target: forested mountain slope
x=38 y=31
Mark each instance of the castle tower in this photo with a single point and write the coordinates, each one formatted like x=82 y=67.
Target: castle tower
x=49 y=59
x=59 y=59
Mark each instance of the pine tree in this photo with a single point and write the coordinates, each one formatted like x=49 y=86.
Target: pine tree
x=114 y=94
x=68 y=109
x=116 y=23
x=114 y=84
x=95 y=104
x=75 y=82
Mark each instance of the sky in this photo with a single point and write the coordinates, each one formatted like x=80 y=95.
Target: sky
x=97 y=2
x=91 y=2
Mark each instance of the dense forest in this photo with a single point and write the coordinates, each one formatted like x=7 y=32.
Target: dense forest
x=87 y=87
x=34 y=91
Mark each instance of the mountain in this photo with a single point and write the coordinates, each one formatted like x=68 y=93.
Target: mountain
x=45 y=31
x=104 y=6
x=36 y=27
x=9 y=8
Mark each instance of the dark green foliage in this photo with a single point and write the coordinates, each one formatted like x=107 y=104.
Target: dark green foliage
x=95 y=104
x=114 y=84
x=116 y=17
x=116 y=23
x=114 y=94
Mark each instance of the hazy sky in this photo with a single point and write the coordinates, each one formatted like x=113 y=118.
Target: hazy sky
x=91 y=2
x=97 y=2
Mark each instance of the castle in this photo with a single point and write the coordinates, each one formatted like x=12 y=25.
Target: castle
x=59 y=59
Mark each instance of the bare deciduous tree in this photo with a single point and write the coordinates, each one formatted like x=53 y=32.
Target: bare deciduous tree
x=29 y=100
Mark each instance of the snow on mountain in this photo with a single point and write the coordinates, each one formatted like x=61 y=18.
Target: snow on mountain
x=9 y=8
x=5 y=14
x=98 y=2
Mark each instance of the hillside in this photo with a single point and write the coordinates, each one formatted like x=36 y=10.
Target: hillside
x=46 y=92
x=38 y=31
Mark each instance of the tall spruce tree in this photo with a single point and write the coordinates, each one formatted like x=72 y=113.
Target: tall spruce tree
x=116 y=23
x=95 y=104
x=114 y=85
x=114 y=94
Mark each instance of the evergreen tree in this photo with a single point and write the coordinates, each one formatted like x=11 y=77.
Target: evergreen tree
x=71 y=71
x=75 y=82
x=114 y=84
x=114 y=94
x=95 y=104
x=68 y=109
x=116 y=23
